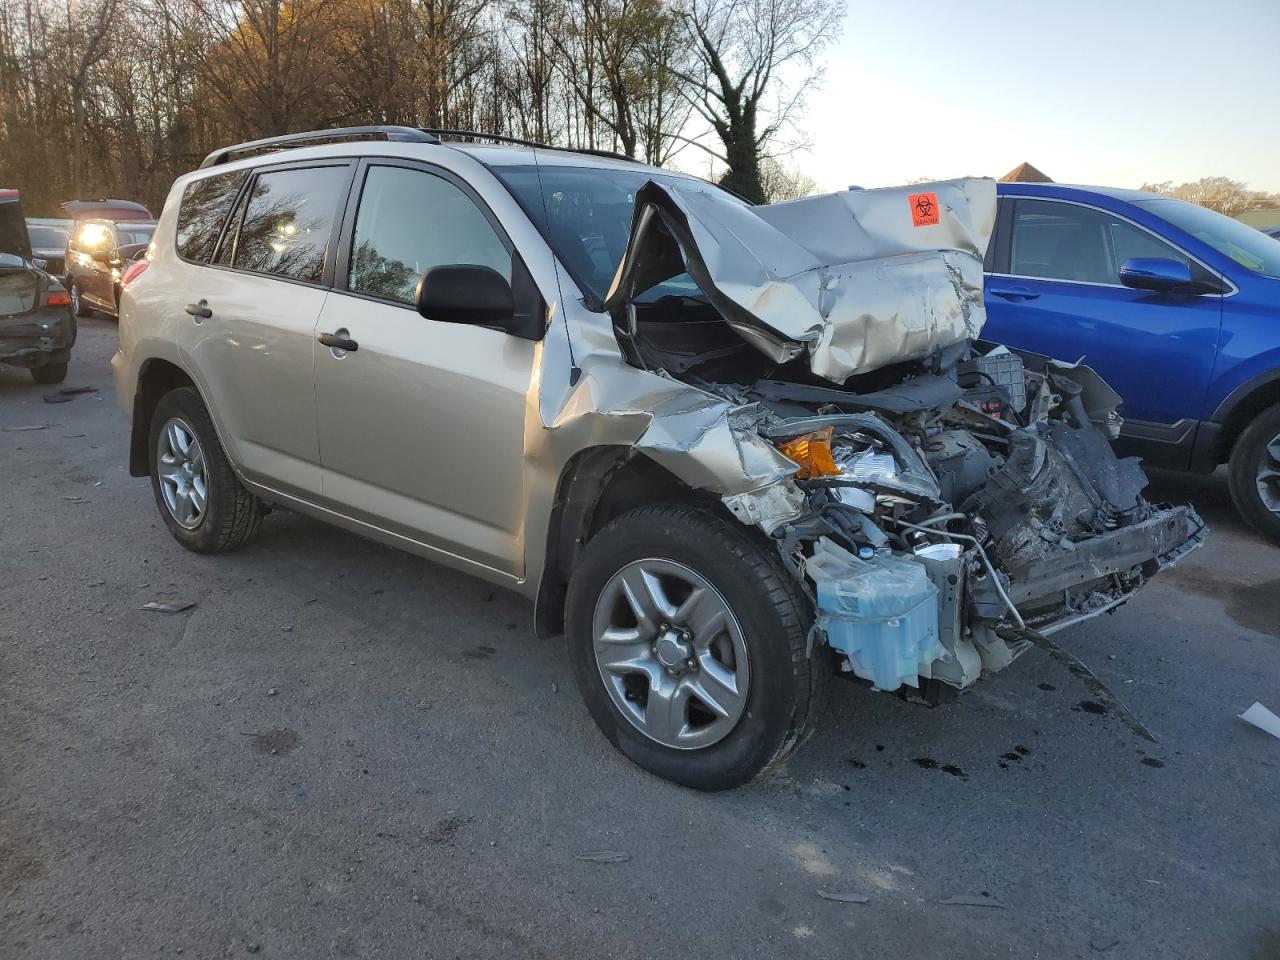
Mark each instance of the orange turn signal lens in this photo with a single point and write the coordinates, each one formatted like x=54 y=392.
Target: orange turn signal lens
x=58 y=298
x=812 y=452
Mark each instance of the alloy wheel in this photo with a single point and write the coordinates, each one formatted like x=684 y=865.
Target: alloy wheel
x=180 y=465
x=671 y=654
x=1268 y=475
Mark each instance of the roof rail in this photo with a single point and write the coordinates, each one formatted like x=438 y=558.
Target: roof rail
x=520 y=142
x=315 y=137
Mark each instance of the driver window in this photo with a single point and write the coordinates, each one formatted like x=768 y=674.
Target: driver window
x=410 y=221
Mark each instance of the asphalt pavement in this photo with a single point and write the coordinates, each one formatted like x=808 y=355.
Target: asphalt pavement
x=345 y=751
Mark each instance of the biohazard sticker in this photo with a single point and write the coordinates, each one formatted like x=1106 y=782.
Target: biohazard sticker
x=924 y=209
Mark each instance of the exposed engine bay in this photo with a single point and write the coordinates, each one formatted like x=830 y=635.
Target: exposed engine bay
x=943 y=500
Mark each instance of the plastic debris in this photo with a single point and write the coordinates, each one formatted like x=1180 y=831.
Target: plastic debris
x=41 y=426
x=969 y=900
x=1262 y=718
x=164 y=606
x=843 y=897
x=605 y=856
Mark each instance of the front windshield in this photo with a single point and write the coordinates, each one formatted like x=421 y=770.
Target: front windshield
x=585 y=215
x=1247 y=246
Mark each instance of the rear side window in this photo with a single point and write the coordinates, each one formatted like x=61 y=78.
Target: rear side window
x=204 y=208
x=410 y=221
x=289 y=220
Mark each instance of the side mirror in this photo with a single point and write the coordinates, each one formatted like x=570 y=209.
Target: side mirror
x=466 y=293
x=1155 y=273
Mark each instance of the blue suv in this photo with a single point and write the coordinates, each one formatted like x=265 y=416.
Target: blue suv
x=1176 y=306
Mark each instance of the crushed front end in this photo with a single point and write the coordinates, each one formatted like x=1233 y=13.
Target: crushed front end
x=944 y=501
x=943 y=524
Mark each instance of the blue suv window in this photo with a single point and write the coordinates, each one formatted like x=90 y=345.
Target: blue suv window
x=1067 y=241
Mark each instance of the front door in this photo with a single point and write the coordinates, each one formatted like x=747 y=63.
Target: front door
x=1060 y=295
x=252 y=323
x=422 y=425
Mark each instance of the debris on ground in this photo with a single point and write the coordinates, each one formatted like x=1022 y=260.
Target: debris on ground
x=843 y=897
x=168 y=606
x=67 y=394
x=1102 y=944
x=605 y=856
x=41 y=426
x=1103 y=697
x=969 y=900
x=1262 y=718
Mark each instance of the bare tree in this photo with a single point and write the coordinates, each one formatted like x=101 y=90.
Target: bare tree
x=745 y=47
x=778 y=182
x=1217 y=193
x=88 y=41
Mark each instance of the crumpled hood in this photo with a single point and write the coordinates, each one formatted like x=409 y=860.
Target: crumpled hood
x=853 y=280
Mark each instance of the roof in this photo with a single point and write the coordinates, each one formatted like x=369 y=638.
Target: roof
x=1025 y=173
x=107 y=209
x=509 y=155
x=1067 y=191
x=390 y=133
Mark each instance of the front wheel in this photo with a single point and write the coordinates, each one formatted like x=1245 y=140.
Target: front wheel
x=1254 y=473
x=201 y=500
x=688 y=639
x=78 y=306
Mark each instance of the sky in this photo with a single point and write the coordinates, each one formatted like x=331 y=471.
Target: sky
x=1108 y=92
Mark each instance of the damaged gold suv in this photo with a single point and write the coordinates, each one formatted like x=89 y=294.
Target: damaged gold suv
x=728 y=450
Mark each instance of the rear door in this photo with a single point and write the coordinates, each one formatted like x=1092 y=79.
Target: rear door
x=253 y=316
x=1058 y=293
x=422 y=426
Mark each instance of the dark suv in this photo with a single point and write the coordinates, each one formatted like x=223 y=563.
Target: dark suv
x=108 y=236
x=99 y=253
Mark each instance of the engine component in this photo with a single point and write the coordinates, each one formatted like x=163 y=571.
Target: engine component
x=1005 y=369
x=881 y=614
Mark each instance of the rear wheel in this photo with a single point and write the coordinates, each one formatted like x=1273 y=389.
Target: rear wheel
x=688 y=642
x=1254 y=473
x=201 y=500
x=50 y=373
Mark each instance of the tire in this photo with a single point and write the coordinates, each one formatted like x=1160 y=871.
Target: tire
x=50 y=373
x=227 y=516
x=785 y=686
x=1254 y=468
x=78 y=306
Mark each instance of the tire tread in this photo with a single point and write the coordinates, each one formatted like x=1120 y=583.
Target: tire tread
x=776 y=585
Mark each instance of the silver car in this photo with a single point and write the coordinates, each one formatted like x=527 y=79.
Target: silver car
x=729 y=451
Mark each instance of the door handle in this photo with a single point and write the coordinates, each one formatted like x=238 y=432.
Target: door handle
x=200 y=310
x=1012 y=291
x=339 y=341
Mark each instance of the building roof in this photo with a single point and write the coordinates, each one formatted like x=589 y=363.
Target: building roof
x=1025 y=173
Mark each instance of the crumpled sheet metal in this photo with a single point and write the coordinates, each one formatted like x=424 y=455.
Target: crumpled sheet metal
x=847 y=278
x=706 y=441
